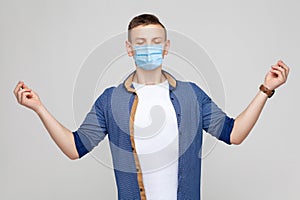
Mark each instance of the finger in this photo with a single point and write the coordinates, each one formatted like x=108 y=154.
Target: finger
x=283 y=65
x=278 y=74
x=25 y=86
x=24 y=96
x=19 y=94
x=280 y=69
x=17 y=88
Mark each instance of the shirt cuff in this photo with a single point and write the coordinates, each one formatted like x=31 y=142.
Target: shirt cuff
x=79 y=145
x=227 y=129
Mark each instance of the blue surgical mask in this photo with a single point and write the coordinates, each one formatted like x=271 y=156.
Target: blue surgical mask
x=148 y=57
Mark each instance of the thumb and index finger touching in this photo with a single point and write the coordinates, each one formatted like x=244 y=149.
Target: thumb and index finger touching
x=20 y=86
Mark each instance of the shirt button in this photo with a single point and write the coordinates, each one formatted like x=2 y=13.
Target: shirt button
x=172 y=98
x=132 y=148
x=141 y=189
x=137 y=169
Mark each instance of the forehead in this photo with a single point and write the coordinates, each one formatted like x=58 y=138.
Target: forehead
x=147 y=32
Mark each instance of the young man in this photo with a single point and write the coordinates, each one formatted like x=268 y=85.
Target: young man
x=153 y=121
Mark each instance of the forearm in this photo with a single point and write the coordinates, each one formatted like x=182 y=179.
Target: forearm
x=247 y=119
x=62 y=136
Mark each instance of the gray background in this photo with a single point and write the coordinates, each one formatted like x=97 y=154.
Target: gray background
x=45 y=42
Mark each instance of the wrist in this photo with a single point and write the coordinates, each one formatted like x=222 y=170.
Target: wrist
x=39 y=109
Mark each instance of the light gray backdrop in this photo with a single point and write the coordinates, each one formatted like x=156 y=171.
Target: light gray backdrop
x=45 y=43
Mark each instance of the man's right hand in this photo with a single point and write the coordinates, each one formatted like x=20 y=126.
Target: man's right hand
x=62 y=136
x=27 y=97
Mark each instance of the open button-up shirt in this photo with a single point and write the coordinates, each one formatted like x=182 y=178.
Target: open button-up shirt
x=113 y=115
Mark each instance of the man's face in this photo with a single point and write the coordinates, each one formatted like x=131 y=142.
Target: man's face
x=147 y=35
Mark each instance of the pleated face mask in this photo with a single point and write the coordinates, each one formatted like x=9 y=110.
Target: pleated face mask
x=148 y=57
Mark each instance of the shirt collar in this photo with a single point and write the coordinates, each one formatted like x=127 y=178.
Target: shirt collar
x=129 y=86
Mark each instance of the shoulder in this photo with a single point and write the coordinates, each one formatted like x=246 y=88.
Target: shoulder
x=105 y=95
x=199 y=92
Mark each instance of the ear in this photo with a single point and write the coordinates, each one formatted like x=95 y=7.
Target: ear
x=166 y=48
x=129 y=49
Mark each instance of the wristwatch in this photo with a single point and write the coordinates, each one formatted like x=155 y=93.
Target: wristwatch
x=269 y=92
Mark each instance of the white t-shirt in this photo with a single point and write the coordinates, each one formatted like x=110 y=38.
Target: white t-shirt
x=156 y=140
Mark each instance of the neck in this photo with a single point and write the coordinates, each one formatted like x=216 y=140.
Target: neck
x=150 y=77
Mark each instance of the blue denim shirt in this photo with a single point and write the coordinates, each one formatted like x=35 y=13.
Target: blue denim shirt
x=113 y=113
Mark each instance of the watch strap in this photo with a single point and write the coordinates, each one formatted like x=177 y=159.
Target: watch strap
x=266 y=90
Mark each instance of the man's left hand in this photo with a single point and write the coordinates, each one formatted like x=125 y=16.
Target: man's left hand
x=277 y=75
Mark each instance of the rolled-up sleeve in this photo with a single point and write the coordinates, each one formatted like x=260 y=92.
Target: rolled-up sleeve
x=92 y=130
x=214 y=120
